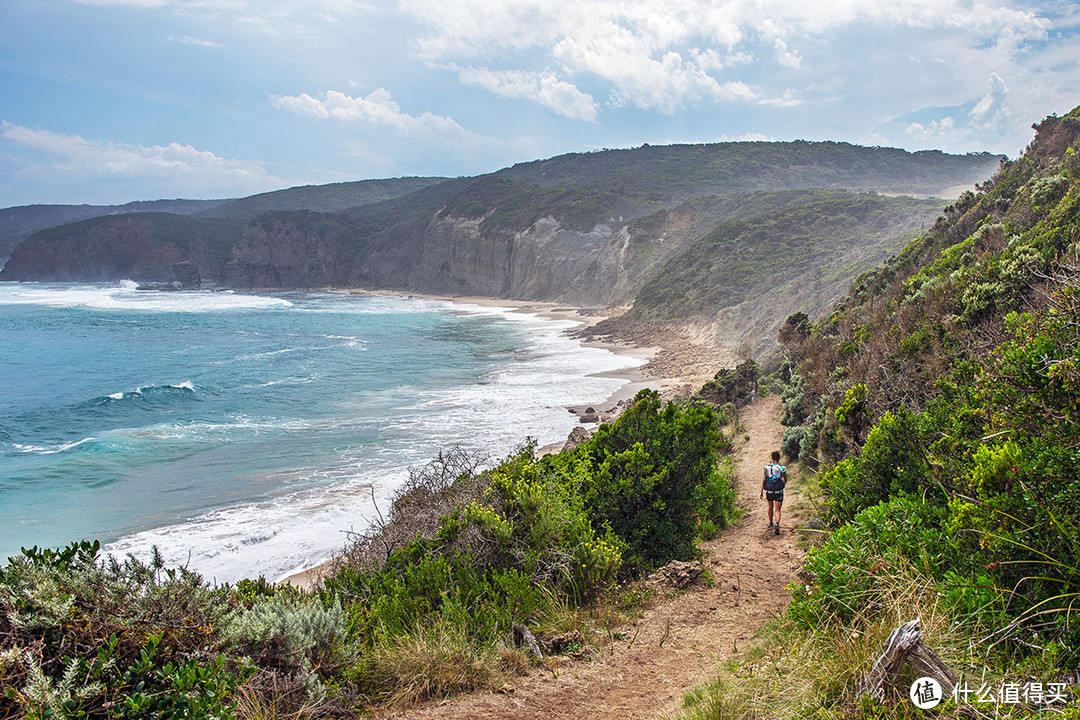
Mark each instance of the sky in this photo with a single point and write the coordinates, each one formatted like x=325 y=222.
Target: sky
x=108 y=101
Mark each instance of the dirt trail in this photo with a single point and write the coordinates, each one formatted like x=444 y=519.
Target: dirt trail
x=678 y=642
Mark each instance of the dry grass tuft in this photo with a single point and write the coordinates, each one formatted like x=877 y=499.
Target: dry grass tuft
x=432 y=664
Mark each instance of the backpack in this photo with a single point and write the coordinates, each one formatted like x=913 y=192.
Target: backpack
x=775 y=478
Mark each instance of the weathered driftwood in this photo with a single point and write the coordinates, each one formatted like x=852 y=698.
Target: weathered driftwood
x=905 y=645
x=524 y=638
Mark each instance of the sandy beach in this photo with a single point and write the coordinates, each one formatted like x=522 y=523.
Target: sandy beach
x=671 y=377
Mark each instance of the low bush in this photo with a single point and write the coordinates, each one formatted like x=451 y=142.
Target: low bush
x=87 y=638
x=849 y=576
x=649 y=466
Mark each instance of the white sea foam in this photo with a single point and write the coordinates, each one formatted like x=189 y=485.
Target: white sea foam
x=276 y=537
x=351 y=341
x=292 y=531
x=50 y=449
x=124 y=296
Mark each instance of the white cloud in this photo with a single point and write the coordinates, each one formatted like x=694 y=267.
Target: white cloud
x=664 y=54
x=642 y=77
x=378 y=108
x=188 y=40
x=544 y=87
x=789 y=98
x=183 y=168
x=785 y=57
x=747 y=137
x=936 y=131
x=990 y=109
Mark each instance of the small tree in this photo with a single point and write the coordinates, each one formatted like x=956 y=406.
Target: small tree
x=793 y=334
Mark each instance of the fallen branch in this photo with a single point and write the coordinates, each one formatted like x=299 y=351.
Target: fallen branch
x=905 y=645
x=524 y=638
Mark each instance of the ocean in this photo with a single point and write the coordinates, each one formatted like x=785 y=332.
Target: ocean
x=247 y=434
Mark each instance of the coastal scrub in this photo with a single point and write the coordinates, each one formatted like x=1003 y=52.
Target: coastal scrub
x=423 y=606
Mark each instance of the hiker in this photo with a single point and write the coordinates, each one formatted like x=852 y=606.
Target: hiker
x=772 y=488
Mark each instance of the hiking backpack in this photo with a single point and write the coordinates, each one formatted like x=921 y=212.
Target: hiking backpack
x=774 y=477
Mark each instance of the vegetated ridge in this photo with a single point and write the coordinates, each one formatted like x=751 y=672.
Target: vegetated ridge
x=18 y=223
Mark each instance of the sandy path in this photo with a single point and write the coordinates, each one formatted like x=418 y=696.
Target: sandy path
x=678 y=642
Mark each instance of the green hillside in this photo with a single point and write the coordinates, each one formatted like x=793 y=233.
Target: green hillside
x=331 y=198
x=141 y=246
x=770 y=238
x=940 y=403
x=679 y=172
x=19 y=223
x=579 y=191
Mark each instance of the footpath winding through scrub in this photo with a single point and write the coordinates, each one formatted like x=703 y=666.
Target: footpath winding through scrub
x=678 y=641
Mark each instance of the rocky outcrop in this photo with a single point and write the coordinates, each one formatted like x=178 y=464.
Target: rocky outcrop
x=577 y=437
x=676 y=575
x=187 y=274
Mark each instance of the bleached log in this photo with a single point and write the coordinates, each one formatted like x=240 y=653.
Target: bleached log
x=523 y=637
x=905 y=645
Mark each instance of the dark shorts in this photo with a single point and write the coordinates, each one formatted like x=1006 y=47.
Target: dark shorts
x=775 y=495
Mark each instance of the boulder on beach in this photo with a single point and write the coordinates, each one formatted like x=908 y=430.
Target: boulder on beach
x=577 y=436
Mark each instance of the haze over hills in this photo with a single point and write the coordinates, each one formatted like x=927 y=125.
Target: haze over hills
x=590 y=229
x=18 y=223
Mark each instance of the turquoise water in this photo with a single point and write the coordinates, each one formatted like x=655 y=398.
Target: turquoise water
x=245 y=434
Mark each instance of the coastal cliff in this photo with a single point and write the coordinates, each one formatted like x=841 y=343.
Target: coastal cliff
x=597 y=229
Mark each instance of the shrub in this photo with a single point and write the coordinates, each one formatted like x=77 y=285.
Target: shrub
x=1049 y=189
x=111 y=640
x=794 y=398
x=791 y=443
x=293 y=632
x=649 y=466
x=715 y=501
x=847 y=575
x=893 y=461
x=733 y=386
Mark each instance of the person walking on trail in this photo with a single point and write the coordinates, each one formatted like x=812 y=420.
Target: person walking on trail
x=772 y=488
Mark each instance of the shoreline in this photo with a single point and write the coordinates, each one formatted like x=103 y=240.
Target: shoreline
x=636 y=379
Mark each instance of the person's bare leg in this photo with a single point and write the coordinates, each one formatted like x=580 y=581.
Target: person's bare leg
x=779 y=503
x=770 y=511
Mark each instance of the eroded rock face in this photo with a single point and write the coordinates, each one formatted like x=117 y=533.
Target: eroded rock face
x=291 y=250
x=451 y=255
x=187 y=274
x=543 y=262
